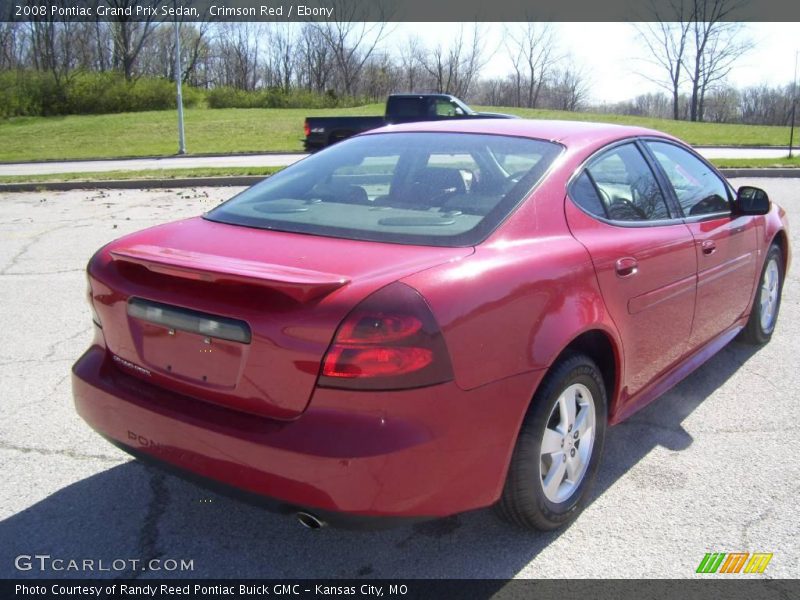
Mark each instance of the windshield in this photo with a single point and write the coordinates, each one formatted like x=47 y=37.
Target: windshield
x=440 y=189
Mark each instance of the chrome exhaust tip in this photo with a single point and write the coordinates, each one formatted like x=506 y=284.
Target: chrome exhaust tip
x=310 y=521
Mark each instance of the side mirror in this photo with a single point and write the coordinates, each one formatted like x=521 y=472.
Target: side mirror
x=751 y=201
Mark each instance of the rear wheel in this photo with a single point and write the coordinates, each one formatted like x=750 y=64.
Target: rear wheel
x=767 y=301
x=559 y=447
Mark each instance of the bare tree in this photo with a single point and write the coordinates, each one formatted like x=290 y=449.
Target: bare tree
x=531 y=47
x=495 y=92
x=411 y=57
x=380 y=76
x=765 y=105
x=666 y=40
x=317 y=59
x=282 y=55
x=717 y=45
x=158 y=54
x=129 y=36
x=237 y=55
x=693 y=40
x=351 y=43
x=454 y=69
x=12 y=43
x=52 y=49
x=721 y=105
x=570 y=88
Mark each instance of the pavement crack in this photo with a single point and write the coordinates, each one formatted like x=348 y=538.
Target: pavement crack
x=58 y=384
x=40 y=273
x=51 y=350
x=652 y=425
x=50 y=452
x=26 y=361
x=27 y=246
x=763 y=515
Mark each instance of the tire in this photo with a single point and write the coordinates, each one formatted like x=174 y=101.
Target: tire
x=767 y=300
x=526 y=500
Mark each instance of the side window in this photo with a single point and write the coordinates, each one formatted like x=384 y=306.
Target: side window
x=619 y=185
x=445 y=108
x=699 y=190
x=406 y=107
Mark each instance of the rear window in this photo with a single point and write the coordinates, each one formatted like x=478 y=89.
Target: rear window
x=439 y=189
x=406 y=107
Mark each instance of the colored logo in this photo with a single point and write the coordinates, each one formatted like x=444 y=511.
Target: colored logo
x=734 y=562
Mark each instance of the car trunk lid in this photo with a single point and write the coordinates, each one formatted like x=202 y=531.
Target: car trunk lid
x=238 y=316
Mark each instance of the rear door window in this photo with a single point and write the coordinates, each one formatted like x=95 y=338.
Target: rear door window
x=620 y=186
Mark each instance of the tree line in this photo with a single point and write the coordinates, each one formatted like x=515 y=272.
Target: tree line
x=343 y=59
x=246 y=64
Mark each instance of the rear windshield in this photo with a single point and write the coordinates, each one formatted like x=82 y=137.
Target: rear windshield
x=440 y=189
x=406 y=107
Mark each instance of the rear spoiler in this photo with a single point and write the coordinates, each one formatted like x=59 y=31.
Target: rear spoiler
x=299 y=284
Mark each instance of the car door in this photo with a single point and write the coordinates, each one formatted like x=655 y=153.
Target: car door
x=725 y=245
x=643 y=255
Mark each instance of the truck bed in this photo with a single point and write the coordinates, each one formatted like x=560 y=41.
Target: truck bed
x=324 y=131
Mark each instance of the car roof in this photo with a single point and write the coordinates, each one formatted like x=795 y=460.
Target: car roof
x=421 y=95
x=569 y=133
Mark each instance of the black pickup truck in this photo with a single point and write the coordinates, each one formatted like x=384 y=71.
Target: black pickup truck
x=400 y=108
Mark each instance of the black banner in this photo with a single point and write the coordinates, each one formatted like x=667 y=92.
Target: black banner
x=369 y=10
x=738 y=588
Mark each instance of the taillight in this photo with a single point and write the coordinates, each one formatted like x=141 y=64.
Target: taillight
x=390 y=341
x=306 y=128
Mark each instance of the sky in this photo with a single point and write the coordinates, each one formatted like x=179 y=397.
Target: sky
x=613 y=57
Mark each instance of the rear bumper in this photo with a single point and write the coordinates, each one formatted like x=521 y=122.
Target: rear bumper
x=429 y=452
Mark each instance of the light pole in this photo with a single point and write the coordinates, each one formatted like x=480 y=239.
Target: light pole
x=794 y=103
x=178 y=78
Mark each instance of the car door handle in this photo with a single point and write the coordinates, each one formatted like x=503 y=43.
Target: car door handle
x=708 y=247
x=625 y=267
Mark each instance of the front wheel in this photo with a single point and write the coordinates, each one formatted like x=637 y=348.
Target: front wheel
x=558 y=449
x=767 y=301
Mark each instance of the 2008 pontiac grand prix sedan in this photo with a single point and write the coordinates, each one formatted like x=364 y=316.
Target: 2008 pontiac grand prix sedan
x=428 y=318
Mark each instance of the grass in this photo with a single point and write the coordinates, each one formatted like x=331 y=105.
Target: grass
x=761 y=163
x=700 y=134
x=141 y=175
x=155 y=133
x=221 y=131
x=740 y=163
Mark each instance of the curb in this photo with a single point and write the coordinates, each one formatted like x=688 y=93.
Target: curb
x=134 y=184
x=248 y=180
x=156 y=157
x=779 y=172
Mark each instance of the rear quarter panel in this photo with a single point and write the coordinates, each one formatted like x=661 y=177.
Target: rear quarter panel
x=512 y=308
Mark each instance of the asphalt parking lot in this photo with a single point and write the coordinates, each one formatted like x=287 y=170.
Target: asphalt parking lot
x=711 y=466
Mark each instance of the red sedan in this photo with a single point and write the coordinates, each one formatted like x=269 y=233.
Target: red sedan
x=429 y=318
